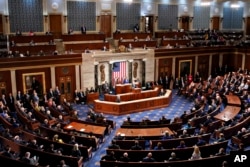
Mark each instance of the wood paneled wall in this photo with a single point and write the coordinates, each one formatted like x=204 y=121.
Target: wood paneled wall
x=203 y=66
x=6 y=80
x=165 y=67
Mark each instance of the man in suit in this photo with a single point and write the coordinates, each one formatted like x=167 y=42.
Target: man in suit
x=19 y=96
x=136 y=146
x=27 y=159
x=35 y=85
x=113 y=145
x=83 y=29
x=124 y=157
x=136 y=28
x=148 y=158
x=11 y=102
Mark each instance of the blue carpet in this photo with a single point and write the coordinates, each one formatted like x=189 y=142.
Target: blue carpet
x=176 y=108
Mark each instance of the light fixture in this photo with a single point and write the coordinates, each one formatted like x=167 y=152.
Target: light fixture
x=205 y=3
x=235 y=5
x=128 y=1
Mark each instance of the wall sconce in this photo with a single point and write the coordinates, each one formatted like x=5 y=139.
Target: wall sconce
x=156 y=18
x=6 y=18
x=114 y=17
x=191 y=19
x=211 y=19
x=98 y=17
x=221 y=19
x=244 y=19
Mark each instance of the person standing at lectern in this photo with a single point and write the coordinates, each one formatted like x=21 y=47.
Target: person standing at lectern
x=125 y=80
x=83 y=29
x=136 y=28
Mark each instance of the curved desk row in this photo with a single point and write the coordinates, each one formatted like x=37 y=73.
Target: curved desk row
x=120 y=108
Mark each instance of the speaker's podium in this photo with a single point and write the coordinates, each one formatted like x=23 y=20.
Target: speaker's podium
x=123 y=88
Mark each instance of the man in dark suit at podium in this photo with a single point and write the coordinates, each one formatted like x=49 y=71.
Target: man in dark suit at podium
x=83 y=29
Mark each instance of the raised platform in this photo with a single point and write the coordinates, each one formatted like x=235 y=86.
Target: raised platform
x=127 y=107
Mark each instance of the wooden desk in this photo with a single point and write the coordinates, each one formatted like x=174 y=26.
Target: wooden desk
x=138 y=44
x=170 y=34
x=86 y=128
x=144 y=132
x=123 y=88
x=84 y=46
x=172 y=42
x=126 y=107
x=233 y=100
x=91 y=97
x=83 y=37
x=131 y=35
x=228 y=113
x=34 y=50
x=35 y=38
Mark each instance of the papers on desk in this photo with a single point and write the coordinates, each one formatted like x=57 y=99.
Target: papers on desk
x=70 y=126
x=82 y=130
x=122 y=134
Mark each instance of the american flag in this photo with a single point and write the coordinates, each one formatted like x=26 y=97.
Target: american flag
x=119 y=71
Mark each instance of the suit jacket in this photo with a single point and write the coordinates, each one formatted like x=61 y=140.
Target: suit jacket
x=83 y=29
x=147 y=159
x=19 y=97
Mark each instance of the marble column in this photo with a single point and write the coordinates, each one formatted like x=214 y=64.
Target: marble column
x=53 y=77
x=13 y=82
x=77 y=75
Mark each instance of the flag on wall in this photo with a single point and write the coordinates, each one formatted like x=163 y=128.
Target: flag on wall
x=119 y=71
